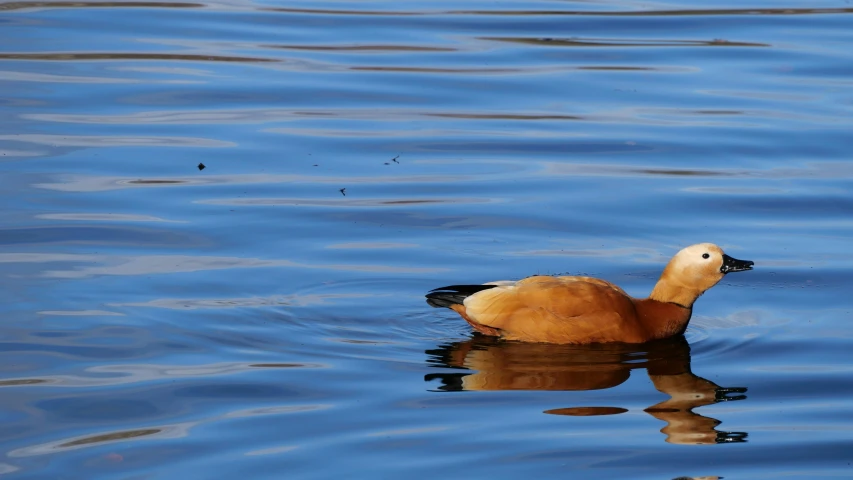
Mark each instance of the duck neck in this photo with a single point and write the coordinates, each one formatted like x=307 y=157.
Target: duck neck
x=662 y=319
x=669 y=307
x=670 y=290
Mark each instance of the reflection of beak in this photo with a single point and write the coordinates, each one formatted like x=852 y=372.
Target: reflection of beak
x=731 y=437
x=734 y=265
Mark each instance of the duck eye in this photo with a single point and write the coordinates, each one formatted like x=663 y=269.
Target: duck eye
x=705 y=255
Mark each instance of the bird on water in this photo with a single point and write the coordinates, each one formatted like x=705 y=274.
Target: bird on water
x=584 y=310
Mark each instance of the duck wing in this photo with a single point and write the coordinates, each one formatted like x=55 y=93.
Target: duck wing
x=557 y=310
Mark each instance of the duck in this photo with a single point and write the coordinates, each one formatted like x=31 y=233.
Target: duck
x=586 y=310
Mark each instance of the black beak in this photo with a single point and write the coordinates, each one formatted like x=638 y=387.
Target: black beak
x=734 y=265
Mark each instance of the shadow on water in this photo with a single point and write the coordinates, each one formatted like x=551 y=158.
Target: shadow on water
x=493 y=364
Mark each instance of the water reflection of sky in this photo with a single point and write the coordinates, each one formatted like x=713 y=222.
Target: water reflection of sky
x=265 y=314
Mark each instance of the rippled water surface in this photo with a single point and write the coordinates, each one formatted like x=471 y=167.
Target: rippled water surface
x=263 y=317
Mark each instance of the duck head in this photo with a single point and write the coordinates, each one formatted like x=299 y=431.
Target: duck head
x=694 y=270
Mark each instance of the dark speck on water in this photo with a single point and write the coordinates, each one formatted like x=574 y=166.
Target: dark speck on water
x=148 y=332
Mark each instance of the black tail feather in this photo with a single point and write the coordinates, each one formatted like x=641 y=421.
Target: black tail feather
x=453 y=294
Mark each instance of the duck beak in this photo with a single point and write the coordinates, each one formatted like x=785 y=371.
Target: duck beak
x=734 y=265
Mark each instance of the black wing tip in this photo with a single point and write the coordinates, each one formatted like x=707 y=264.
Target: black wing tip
x=453 y=294
x=444 y=299
x=449 y=288
x=464 y=289
x=436 y=302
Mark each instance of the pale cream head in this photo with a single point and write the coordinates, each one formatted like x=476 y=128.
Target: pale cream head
x=694 y=270
x=698 y=266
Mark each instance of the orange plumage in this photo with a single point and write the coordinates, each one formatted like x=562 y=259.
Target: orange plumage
x=585 y=310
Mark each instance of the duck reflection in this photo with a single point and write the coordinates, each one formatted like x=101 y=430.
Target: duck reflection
x=493 y=364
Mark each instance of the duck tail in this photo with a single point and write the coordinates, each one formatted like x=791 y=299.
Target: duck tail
x=446 y=297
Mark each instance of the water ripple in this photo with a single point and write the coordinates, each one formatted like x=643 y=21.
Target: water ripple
x=50 y=5
x=104 y=217
x=101 y=184
x=266 y=313
x=166 y=264
x=93 y=56
x=113 y=375
x=344 y=202
x=595 y=13
x=294 y=300
x=616 y=42
x=115 y=141
x=48 y=78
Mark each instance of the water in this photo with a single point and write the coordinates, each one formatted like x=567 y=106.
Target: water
x=264 y=316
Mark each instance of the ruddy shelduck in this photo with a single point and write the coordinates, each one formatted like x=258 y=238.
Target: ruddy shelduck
x=585 y=310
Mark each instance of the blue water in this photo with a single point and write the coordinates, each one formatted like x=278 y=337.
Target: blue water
x=263 y=317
